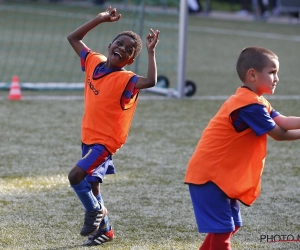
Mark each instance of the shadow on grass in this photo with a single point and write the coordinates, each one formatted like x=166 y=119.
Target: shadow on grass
x=63 y=248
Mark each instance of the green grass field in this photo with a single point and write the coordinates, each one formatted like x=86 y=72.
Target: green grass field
x=149 y=206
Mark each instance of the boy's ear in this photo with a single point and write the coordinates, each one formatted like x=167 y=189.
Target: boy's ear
x=109 y=46
x=251 y=74
x=130 y=61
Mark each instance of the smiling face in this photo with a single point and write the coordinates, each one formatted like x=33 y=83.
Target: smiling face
x=121 y=52
x=264 y=81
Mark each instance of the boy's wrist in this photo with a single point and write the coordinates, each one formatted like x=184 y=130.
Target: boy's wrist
x=99 y=19
x=151 y=52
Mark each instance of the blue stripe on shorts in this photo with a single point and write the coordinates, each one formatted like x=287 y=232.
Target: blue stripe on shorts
x=215 y=212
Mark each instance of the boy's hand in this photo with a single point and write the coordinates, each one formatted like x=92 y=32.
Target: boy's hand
x=152 y=39
x=110 y=15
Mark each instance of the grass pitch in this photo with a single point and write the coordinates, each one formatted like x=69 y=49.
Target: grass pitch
x=149 y=206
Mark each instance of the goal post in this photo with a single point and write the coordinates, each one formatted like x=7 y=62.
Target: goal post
x=42 y=26
x=182 y=37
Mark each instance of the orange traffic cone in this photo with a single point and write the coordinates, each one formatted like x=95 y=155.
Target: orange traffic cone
x=15 y=90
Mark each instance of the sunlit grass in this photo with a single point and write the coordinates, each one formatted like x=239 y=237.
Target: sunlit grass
x=11 y=184
x=149 y=205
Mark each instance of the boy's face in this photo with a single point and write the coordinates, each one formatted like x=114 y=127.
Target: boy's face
x=266 y=80
x=121 y=52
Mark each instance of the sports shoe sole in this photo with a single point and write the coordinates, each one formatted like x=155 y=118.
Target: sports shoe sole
x=99 y=238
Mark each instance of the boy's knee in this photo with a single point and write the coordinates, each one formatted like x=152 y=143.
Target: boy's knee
x=76 y=175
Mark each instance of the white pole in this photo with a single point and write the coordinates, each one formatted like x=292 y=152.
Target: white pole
x=183 y=14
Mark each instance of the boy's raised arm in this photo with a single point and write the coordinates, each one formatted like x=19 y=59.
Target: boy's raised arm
x=151 y=79
x=75 y=37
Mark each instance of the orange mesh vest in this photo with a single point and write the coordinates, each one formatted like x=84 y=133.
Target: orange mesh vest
x=233 y=161
x=105 y=121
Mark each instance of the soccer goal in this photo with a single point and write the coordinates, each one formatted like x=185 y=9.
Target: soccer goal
x=34 y=45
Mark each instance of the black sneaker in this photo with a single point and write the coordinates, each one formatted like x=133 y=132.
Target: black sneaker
x=99 y=237
x=92 y=221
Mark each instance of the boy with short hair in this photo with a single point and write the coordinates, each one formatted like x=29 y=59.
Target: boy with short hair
x=110 y=99
x=227 y=164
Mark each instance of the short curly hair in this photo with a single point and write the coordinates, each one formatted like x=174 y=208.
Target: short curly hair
x=135 y=37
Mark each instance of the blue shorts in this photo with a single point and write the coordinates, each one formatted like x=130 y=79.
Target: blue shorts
x=96 y=161
x=215 y=212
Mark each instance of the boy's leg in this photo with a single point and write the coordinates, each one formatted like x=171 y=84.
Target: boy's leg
x=214 y=214
x=220 y=241
x=105 y=232
x=206 y=243
x=104 y=225
x=235 y=230
x=83 y=189
x=107 y=167
x=94 y=211
x=215 y=241
x=93 y=156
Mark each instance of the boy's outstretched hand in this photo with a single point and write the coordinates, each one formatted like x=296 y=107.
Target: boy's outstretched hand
x=110 y=15
x=152 y=39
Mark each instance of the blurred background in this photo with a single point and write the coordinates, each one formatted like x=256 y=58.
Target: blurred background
x=34 y=45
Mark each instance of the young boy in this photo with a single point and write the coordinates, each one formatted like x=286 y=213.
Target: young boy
x=227 y=164
x=110 y=99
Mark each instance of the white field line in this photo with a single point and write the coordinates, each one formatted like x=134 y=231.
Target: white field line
x=54 y=13
x=220 y=31
x=144 y=98
x=243 y=33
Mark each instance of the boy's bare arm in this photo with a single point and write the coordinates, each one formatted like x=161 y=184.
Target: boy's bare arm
x=75 y=37
x=151 y=79
x=288 y=122
x=287 y=128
